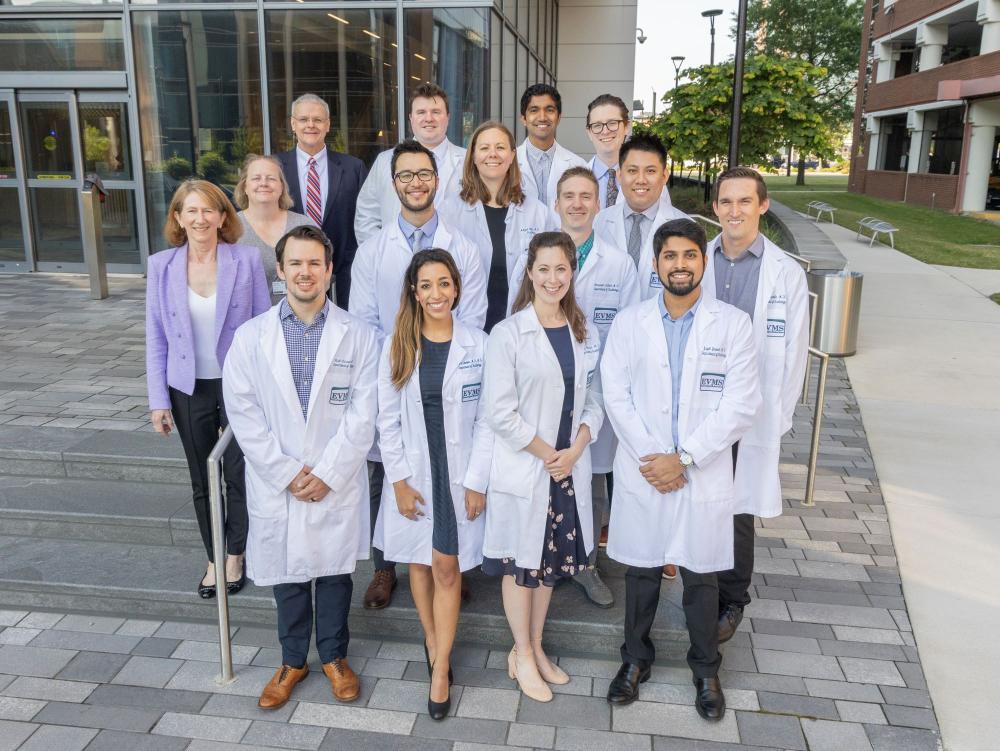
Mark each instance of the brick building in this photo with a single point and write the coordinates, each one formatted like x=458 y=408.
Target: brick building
x=927 y=120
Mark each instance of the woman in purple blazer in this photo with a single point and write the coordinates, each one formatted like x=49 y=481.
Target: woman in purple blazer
x=197 y=294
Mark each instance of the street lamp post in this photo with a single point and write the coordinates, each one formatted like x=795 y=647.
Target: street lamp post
x=734 y=127
x=677 y=60
x=711 y=15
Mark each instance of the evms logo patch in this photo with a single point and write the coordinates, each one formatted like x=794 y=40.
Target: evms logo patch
x=712 y=381
x=470 y=391
x=605 y=315
x=338 y=395
x=775 y=327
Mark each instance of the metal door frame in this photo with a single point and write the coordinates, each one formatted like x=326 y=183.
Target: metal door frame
x=18 y=182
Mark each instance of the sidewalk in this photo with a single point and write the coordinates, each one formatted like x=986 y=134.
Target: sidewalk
x=927 y=379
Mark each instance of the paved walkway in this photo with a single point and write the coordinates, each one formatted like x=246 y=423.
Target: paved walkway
x=926 y=379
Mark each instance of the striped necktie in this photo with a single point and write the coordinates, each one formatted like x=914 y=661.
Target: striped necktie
x=612 y=189
x=314 y=201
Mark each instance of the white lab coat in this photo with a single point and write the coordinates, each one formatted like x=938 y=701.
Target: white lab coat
x=719 y=396
x=405 y=453
x=561 y=161
x=380 y=265
x=522 y=223
x=592 y=164
x=378 y=204
x=781 y=338
x=610 y=224
x=292 y=540
x=523 y=392
x=606 y=284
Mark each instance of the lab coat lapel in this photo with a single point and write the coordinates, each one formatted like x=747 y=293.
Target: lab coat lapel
x=461 y=342
x=528 y=323
x=593 y=261
x=276 y=354
x=708 y=281
x=770 y=268
x=333 y=332
x=704 y=320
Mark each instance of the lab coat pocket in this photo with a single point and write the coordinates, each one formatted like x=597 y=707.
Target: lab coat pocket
x=513 y=472
x=713 y=483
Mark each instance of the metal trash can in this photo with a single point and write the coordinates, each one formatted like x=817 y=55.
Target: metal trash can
x=838 y=307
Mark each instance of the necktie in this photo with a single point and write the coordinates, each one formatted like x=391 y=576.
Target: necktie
x=612 y=189
x=314 y=195
x=416 y=240
x=635 y=238
x=542 y=176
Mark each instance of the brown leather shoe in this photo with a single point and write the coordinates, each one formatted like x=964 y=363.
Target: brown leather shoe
x=379 y=592
x=279 y=688
x=670 y=571
x=346 y=685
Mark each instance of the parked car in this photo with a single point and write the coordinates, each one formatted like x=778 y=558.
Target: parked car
x=993 y=193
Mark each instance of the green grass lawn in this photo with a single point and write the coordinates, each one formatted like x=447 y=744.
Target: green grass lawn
x=821 y=182
x=928 y=235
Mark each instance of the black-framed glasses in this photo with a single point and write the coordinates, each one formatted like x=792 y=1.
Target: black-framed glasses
x=425 y=175
x=611 y=125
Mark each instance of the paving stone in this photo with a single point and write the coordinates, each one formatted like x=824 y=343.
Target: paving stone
x=97 y=716
x=859 y=670
x=33 y=661
x=201 y=676
x=20 y=710
x=152 y=646
x=18 y=636
x=837 y=571
x=775 y=610
x=355 y=718
x=148 y=698
x=49 y=737
x=647 y=718
x=568 y=711
x=488 y=703
x=803 y=706
x=152 y=672
x=823 y=735
x=798 y=644
x=245 y=707
x=786 y=684
x=790 y=663
x=686 y=744
x=97 y=667
x=840 y=615
x=281 y=735
x=856 y=711
x=684 y=694
x=204 y=651
x=908 y=697
x=40 y=619
x=200 y=726
x=578 y=739
x=890 y=738
x=401 y=651
x=863 y=650
x=770 y=730
x=912 y=674
x=95 y=624
x=115 y=740
x=195 y=631
x=792 y=628
x=870 y=635
x=359 y=740
x=375 y=667
x=585 y=667
x=138 y=627
x=95 y=641
x=828 y=597
x=912 y=717
x=407 y=696
x=11 y=617
x=26 y=687
x=533 y=736
x=842 y=690
x=13 y=734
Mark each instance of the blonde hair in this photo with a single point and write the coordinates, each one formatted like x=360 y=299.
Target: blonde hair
x=240 y=197
x=526 y=292
x=231 y=228
x=473 y=187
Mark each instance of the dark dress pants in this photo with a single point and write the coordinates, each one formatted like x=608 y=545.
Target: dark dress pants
x=199 y=419
x=376 y=476
x=734 y=585
x=700 y=600
x=295 y=618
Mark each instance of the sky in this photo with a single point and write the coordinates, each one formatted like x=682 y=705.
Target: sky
x=675 y=27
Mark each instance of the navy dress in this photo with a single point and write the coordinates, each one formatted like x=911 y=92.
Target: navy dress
x=563 y=551
x=433 y=358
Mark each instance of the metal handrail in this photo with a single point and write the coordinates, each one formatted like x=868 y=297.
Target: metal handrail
x=813 y=302
x=219 y=550
x=804 y=262
x=824 y=362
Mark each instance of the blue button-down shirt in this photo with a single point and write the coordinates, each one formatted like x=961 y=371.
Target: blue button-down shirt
x=428 y=229
x=676 y=333
x=302 y=344
x=601 y=171
x=736 y=278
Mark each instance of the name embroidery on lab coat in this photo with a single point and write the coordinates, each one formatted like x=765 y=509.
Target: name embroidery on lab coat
x=470 y=391
x=777 y=299
x=341 y=363
x=605 y=315
x=473 y=362
x=606 y=287
x=339 y=395
x=712 y=381
x=775 y=326
x=710 y=350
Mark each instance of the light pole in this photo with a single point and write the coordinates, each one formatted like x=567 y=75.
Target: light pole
x=654 y=105
x=677 y=60
x=711 y=15
x=734 y=126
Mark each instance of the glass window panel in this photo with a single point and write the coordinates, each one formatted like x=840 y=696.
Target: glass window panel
x=452 y=43
x=121 y=240
x=523 y=7
x=522 y=84
x=198 y=82
x=6 y=144
x=48 y=140
x=55 y=219
x=347 y=57
x=56 y=3
x=57 y=44
x=11 y=234
x=536 y=15
x=496 y=68
x=105 y=140
x=510 y=93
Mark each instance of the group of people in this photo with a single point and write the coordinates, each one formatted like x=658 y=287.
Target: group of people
x=433 y=362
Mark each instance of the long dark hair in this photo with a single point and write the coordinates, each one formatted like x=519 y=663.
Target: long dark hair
x=404 y=349
x=526 y=292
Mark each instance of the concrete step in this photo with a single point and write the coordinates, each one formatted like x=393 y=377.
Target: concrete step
x=160 y=581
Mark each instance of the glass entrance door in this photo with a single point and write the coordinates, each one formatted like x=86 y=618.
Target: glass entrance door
x=13 y=213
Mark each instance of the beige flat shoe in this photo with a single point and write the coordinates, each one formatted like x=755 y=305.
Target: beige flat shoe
x=522 y=668
x=550 y=672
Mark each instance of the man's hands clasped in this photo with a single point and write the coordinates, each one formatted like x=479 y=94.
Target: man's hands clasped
x=663 y=471
x=307 y=487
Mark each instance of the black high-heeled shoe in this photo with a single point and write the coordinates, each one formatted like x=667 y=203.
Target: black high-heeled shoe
x=205 y=591
x=430 y=668
x=234 y=587
x=438 y=710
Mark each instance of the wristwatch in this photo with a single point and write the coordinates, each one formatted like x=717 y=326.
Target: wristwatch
x=686 y=459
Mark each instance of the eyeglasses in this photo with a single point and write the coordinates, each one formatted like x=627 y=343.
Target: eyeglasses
x=611 y=125
x=311 y=120
x=425 y=175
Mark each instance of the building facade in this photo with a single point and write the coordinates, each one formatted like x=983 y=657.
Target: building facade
x=928 y=113
x=146 y=93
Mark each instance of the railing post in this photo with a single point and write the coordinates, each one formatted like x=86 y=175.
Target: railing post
x=92 y=196
x=824 y=361
x=219 y=554
x=813 y=300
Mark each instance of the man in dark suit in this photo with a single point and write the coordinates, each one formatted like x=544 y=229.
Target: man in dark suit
x=324 y=185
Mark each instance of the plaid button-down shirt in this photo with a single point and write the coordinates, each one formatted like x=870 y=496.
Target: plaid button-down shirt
x=302 y=344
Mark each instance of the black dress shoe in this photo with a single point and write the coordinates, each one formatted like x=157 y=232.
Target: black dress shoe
x=709 y=699
x=624 y=689
x=234 y=587
x=729 y=621
x=438 y=710
x=205 y=591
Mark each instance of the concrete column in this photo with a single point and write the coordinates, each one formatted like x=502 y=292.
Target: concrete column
x=984 y=119
x=885 y=57
x=988 y=16
x=918 y=141
x=874 y=127
x=931 y=39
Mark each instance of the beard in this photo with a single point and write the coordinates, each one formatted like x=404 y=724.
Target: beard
x=410 y=205
x=681 y=289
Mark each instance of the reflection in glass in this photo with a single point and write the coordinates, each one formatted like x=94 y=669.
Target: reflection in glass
x=104 y=128
x=121 y=240
x=198 y=81
x=347 y=57
x=6 y=144
x=511 y=96
x=11 y=236
x=522 y=84
x=448 y=46
x=496 y=68
x=63 y=44
x=55 y=221
x=48 y=140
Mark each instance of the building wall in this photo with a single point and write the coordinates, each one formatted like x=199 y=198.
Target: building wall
x=906 y=12
x=595 y=55
x=918 y=88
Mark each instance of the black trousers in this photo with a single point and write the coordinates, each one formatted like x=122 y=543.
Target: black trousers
x=734 y=585
x=376 y=476
x=296 y=613
x=199 y=419
x=700 y=600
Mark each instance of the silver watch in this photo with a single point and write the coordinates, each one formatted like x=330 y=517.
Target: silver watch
x=686 y=459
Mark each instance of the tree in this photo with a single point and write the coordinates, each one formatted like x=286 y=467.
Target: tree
x=778 y=108
x=825 y=34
